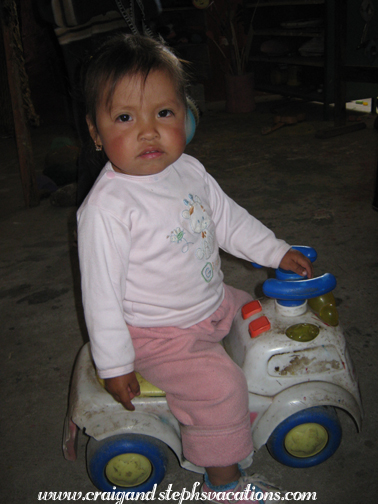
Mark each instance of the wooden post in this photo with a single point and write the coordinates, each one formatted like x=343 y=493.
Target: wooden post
x=340 y=127
x=340 y=43
x=22 y=133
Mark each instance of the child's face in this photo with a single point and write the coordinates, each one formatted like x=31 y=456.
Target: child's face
x=143 y=130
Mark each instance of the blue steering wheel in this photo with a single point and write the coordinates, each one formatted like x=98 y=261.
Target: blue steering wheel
x=290 y=289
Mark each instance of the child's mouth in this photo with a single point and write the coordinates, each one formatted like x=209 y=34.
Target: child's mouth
x=151 y=154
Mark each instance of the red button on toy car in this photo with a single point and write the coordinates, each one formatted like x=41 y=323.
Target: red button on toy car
x=251 y=309
x=258 y=326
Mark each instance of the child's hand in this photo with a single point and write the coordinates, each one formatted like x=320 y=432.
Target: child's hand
x=123 y=388
x=295 y=261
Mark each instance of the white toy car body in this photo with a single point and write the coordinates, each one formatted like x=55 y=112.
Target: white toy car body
x=297 y=367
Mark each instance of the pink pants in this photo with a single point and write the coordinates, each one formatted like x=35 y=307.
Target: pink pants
x=206 y=391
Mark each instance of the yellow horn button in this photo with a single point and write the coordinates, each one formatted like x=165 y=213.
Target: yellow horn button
x=302 y=332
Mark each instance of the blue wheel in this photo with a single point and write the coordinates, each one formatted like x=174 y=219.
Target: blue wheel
x=128 y=462
x=306 y=438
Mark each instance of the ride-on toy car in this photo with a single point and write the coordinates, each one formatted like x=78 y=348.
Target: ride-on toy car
x=294 y=355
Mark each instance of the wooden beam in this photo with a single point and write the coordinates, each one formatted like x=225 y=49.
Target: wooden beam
x=22 y=133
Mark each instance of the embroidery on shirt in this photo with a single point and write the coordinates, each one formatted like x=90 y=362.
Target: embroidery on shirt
x=177 y=236
x=207 y=272
x=199 y=222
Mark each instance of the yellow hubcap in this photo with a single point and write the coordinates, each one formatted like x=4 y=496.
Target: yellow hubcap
x=306 y=440
x=128 y=470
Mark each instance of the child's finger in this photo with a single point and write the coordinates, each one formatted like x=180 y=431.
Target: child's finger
x=298 y=269
x=127 y=395
x=134 y=387
x=125 y=400
x=307 y=265
x=119 y=388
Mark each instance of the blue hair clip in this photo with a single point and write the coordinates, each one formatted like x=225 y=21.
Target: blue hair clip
x=192 y=119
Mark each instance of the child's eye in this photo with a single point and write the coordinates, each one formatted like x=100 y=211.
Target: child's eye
x=165 y=113
x=124 y=118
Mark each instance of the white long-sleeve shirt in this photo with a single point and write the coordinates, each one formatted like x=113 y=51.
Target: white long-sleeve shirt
x=149 y=254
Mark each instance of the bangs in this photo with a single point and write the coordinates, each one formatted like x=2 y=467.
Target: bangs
x=128 y=55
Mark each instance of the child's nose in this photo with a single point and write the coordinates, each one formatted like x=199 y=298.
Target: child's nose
x=148 y=131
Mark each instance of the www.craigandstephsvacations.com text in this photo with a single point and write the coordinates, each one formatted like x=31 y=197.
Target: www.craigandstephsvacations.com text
x=250 y=493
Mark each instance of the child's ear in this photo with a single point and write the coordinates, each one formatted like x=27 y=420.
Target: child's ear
x=93 y=131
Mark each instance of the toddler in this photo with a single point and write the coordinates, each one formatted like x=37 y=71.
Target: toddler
x=149 y=234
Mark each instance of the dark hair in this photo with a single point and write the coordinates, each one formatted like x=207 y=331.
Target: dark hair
x=129 y=55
